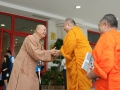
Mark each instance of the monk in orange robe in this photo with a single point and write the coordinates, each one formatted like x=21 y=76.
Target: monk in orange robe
x=106 y=55
x=75 y=46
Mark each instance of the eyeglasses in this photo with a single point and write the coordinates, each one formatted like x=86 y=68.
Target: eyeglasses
x=100 y=24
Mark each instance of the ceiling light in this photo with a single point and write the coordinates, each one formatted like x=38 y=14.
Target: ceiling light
x=3 y=25
x=15 y=42
x=77 y=7
x=16 y=39
x=31 y=30
x=117 y=18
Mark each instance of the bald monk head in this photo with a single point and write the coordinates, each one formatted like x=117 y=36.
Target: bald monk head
x=41 y=31
x=108 y=22
x=68 y=24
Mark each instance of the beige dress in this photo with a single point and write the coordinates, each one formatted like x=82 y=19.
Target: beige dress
x=23 y=76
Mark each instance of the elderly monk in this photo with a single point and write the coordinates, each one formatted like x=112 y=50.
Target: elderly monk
x=106 y=55
x=74 y=49
x=23 y=76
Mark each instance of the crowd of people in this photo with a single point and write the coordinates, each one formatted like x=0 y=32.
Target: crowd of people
x=7 y=65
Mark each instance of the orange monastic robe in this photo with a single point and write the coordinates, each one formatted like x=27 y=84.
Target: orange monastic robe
x=74 y=49
x=107 y=61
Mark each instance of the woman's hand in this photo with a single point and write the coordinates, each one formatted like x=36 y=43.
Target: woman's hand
x=5 y=69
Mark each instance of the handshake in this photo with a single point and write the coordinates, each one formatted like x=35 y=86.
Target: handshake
x=55 y=52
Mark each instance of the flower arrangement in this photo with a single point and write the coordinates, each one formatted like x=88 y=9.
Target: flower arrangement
x=52 y=77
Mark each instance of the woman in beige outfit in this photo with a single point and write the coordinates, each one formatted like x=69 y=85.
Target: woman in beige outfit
x=23 y=76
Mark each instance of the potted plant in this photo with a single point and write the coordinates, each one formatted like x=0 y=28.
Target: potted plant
x=58 y=44
x=53 y=78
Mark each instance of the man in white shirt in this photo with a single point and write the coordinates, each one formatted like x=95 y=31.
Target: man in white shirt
x=63 y=63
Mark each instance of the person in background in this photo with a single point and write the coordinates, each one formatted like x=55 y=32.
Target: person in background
x=63 y=63
x=11 y=58
x=5 y=70
x=38 y=68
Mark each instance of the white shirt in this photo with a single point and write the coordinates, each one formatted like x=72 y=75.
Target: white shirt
x=63 y=63
x=13 y=59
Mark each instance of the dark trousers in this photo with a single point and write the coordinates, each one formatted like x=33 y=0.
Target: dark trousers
x=65 y=79
x=9 y=76
x=37 y=75
x=39 y=82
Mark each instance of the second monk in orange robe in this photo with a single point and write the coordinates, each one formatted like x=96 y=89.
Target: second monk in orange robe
x=106 y=56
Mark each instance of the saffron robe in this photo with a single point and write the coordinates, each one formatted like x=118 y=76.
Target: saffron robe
x=106 y=56
x=23 y=76
x=75 y=46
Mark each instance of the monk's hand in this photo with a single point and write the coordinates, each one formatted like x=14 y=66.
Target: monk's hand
x=91 y=74
x=53 y=51
x=57 y=53
x=97 y=78
x=88 y=70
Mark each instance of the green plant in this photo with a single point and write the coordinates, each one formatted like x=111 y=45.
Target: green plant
x=52 y=77
x=57 y=61
x=54 y=68
x=58 y=43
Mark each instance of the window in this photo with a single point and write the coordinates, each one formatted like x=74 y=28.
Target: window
x=5 y=21
x=26 y=25
x=93 y=37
